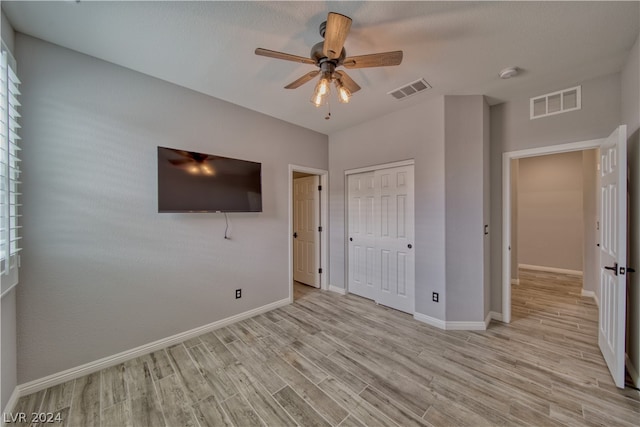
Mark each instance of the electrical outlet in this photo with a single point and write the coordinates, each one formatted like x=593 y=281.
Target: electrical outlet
x=435 y=297
x=238 y=293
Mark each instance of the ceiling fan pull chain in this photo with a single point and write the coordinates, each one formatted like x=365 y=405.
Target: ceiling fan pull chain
x=328 y=116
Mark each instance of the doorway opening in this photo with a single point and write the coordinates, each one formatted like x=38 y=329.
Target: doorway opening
x=308 y=219
x=508 y=194
x=554 y=217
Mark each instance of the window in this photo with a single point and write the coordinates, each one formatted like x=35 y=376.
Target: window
x=9 y=172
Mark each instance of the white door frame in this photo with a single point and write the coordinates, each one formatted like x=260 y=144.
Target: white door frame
x=323 y=221
x=506 y=206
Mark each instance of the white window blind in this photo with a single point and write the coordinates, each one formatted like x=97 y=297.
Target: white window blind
x=9 y=173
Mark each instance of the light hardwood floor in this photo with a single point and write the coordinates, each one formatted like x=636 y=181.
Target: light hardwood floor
x=336 y=360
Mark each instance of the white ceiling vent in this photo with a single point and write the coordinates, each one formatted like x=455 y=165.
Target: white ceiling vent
x=556 y=103
x=410 y=89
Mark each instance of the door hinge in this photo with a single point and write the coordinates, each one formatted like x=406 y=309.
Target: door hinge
x=319 y=187
x=320 y=228
x=320 y=270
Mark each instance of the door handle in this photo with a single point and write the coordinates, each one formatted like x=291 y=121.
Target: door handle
x=614 y=268
x=351 y=239
x=295 y=234
x=409 y=245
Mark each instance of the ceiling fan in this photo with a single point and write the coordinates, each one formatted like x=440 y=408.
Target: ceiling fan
x=328 y=55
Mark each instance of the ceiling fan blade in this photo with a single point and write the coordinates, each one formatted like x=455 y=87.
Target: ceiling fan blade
x=286 y=56
x=178 y=162
x=302 y=80
x=374 y=60
x=348 y=81
x=335 y=34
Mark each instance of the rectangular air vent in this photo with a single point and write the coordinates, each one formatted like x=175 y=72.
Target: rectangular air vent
x=556 y=103
x=410 y=89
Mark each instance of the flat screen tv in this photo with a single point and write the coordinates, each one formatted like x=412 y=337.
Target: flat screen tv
x=197 y=182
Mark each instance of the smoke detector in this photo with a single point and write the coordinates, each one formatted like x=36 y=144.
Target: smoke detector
x=508 y=72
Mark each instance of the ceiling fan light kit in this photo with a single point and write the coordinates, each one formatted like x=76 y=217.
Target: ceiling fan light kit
x=329 y=55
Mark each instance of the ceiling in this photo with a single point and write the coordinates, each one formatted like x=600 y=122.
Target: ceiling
x=458 y=47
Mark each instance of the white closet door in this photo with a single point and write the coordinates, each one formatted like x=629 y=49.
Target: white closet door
x=362 y=238
x=381 y=236
x=395 y=245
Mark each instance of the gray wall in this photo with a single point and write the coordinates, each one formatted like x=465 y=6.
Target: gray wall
x=8 y=346
x=550 y=211
x=414 y=133
x=102 y=271
x=631 y=117
x=449 y=140
x=465 y=196
x=512 y=130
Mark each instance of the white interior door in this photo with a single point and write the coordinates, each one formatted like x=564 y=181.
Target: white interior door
x=381 y=236
x=362 y=239
x=306 y=241
x=613 y=252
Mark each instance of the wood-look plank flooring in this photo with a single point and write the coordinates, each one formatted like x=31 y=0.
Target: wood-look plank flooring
x=331 y=360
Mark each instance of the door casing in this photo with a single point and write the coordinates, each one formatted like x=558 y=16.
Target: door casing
x=506 y=207
x=323 y=221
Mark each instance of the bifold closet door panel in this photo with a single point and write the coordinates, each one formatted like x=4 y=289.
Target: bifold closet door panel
x=361 y=234
x=395 y=245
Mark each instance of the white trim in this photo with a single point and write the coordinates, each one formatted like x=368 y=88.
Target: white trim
x=550 y=269
x=591 y=294
x=452 y=326
x=466 y=326
x=496 y=316
x=341 y=291
x=379 y=167
x=324 y=223
x=506 y=206
x=106 y=362
x=515 y=281
x=11 y=403
x=487 y=320
x=633 y=373
x=506 y=238
x=9 y=289
x=432 y=321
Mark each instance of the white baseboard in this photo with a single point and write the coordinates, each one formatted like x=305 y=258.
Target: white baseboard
x=496 y=316
x=550 y=269
x=106 y=362
x=515 y=281
x=11 y=403
x=466 y=326
x=633 y=373
x=450 y=326
x=337 y=290
x=591 y=294
x=430 y=320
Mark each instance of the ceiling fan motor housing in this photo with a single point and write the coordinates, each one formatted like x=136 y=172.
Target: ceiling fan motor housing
x=318 y=56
